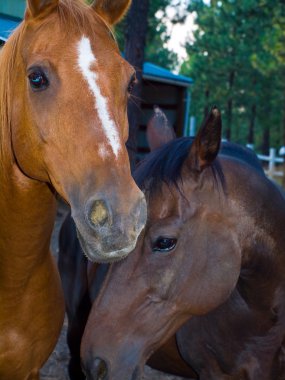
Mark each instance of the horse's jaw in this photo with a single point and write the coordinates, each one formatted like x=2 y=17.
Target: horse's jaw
x=127 y=368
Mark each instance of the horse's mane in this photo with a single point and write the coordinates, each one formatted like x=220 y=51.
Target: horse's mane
x=78 y=13
x=72 y=14
x=164 y=165
x=7 y=64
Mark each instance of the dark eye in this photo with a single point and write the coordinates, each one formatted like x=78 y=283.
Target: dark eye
x=38 y=80
x=163 y=244
x=132 y=83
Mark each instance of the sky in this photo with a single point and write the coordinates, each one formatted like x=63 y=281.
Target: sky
x=181 y=32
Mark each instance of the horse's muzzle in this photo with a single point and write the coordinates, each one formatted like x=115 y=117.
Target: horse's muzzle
x=99 y=370
x=109 y=234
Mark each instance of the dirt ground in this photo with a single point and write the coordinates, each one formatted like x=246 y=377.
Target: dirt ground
x=56 y=367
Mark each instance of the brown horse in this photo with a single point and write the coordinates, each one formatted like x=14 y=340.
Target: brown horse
x=78 y=292
x=159 y=131
x=213 y=257
x=63 y=99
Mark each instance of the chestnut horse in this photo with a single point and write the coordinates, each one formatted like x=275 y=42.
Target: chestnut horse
x=211 y=265
x=63 y=99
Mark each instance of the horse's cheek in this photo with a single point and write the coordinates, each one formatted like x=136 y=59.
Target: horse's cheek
x=214 y=273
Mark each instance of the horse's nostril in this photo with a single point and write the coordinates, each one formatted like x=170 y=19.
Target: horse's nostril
x=98 y=213
x=100 y=369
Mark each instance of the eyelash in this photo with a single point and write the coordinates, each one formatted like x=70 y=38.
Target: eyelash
x=132 y=83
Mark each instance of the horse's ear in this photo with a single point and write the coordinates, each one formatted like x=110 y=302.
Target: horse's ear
x=41 y=8
x=159 y=131
x=111 y=11
x=206 y=144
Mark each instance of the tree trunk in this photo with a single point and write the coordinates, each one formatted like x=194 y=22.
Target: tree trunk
x=266 y=140
x=283 y=132
x=231 y=82
x=136 y=30
x=283 y=144
x=206 y=108
x=250 y=137
x=230 y=106
x=229 y=119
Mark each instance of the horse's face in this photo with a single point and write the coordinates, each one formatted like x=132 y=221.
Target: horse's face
x=187 y=263
x=70 y=122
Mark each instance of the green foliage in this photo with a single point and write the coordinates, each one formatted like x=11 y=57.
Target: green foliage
x=157 y=36
x=238 y=63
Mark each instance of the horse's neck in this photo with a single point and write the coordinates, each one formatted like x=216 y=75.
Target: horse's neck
x=27 y=214
x=263 y=254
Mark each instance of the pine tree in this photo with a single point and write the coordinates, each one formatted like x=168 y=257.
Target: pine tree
x=237 y=60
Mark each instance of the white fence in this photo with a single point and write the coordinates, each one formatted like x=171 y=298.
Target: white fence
x=272 y=160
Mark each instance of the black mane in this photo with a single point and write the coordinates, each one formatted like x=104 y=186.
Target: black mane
x=164 y=165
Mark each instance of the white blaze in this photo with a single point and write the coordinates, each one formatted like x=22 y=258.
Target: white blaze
x=86 y=59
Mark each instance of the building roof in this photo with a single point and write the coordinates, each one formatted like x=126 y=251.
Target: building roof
x=157 y=73
x=7 y=25
x=150 y=71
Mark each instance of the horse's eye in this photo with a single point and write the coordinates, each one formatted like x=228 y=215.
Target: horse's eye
x=163 y=244
x=38 y=80
x=132 y=83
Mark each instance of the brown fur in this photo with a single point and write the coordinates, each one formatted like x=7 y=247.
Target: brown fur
x=111 y=11
x=159 y=131
x=49 y=143
x=222 y=285
x=40 y=8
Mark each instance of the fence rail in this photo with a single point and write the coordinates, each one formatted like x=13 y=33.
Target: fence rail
x=272 y=160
